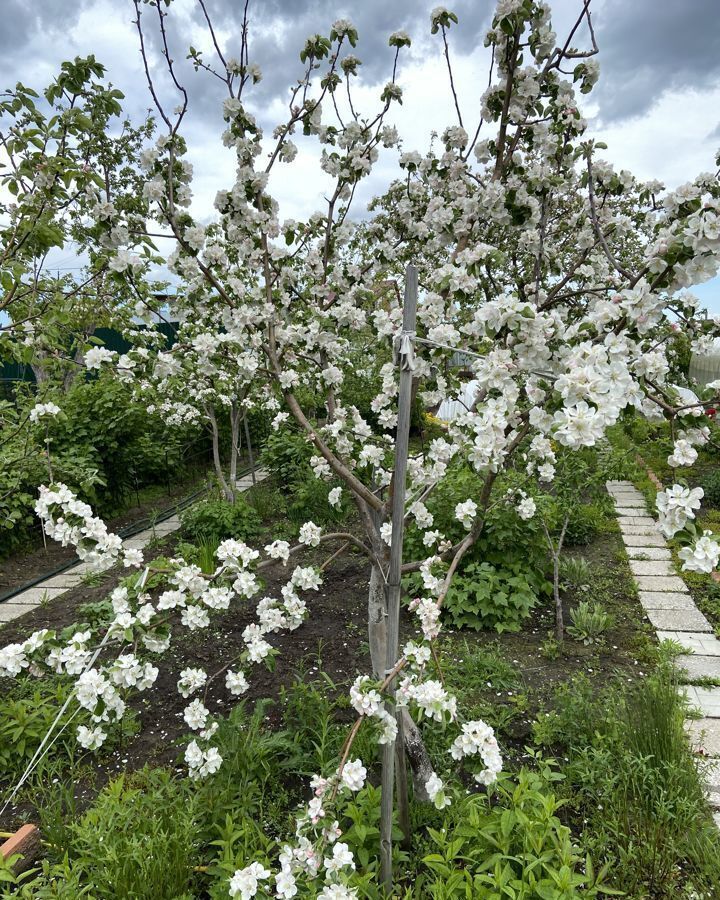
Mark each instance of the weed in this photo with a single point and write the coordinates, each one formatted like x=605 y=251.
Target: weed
x=589 y=623
x=139 y=839
x=575 y=570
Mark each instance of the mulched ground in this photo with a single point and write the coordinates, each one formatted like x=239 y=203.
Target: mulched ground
x=334 y=640
x=334 y=634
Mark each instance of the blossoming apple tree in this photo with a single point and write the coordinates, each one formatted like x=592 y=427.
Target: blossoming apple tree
x=562 y=280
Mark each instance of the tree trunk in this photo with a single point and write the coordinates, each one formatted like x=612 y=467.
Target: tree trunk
x=235 y=448
x=559 y=619
x=555 y=552
x=420 y=764
x=377 y=622
x=227 y=493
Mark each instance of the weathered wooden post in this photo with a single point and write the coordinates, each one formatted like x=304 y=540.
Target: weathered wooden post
x=405 y=361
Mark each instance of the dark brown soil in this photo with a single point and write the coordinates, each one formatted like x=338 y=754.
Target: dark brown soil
x=333 y=640
x=334 y=635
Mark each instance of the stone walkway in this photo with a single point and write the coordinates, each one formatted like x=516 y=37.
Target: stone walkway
x=672 y=612
x=57 y=585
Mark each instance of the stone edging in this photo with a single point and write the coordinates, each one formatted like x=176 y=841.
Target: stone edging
x=672 y=612
x=58 y=585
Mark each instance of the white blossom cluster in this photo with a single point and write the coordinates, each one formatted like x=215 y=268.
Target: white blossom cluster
x=675 y=506
x=43 y=411
x=143 y=620
x=71 y=522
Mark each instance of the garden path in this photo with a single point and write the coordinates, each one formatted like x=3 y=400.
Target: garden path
x=57 y=585
x=674 y=615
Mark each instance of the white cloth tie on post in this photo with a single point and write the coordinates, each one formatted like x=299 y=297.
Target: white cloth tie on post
x=405 y=351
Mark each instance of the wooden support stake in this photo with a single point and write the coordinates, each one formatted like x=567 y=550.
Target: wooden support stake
x=405 y=359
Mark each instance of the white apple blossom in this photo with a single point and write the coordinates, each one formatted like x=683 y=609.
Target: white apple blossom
x=354 y=774
x=43 y=411
x=684 y=454
x=436 y=791
x=245 y=882
x=465 y=512
x=703 y=556
x=526 y=508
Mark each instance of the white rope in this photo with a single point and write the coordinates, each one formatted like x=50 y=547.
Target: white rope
x=46 y=743
x=405 y=350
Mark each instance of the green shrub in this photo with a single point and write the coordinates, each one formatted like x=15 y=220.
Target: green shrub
x=589 y=623
x=139 y=839
x=573 y=719
x=575 y=570
x=25 y=720
x=585 y=523
x=617 y=463
x=249 y=785
x=128 y=445
x=486 y=597
x=49 y=881
x=217 y=520
x=309 y=500
x=104 y=445
x=634 y=781
x=286 y=455
x=267 y=499
x=506 y=540
x=711 y=485
x=514 y=846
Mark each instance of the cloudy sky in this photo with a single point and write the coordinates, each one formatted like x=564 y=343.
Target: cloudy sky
x=657 y=104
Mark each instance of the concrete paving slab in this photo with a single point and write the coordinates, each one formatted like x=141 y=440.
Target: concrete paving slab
x=706 y=699
x=705 y=735
x=679 y=620
x=10 y=611
x=640 y=521
x=640 y=529
x=135 y=544
x=36 y=595
x=660 y=583
x=697 y=667
x=651 y=567
x=83 y=569
x=644 y=540
x=666 y=600
x=615 y=483
x=711 y=773
x=648 y=552
x=694 y=642
x=69 y=579
x=631 y=510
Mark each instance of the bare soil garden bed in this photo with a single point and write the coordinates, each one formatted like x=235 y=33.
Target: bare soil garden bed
x=333 y=641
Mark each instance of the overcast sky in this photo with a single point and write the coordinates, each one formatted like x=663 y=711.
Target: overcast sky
x=657 y=104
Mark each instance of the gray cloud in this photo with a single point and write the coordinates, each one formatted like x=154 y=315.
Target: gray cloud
x=22 y=21
x=279 y=28
x=648 y=47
